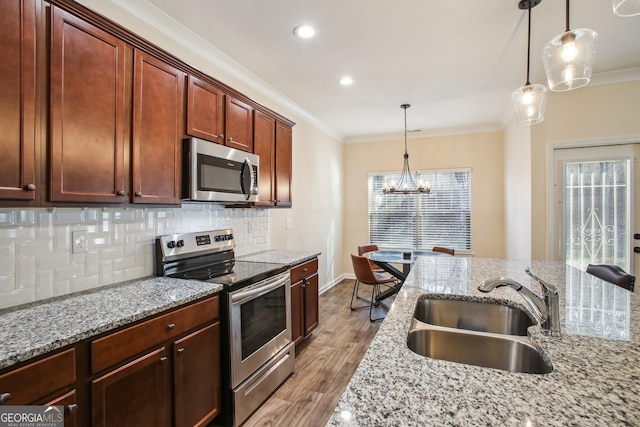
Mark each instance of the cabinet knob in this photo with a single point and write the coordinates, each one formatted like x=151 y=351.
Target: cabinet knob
x=138 y=194
x=121 y=193
x=163 y=359
x=4 y=397
x=171 y=326
x=180 y=350
x=305 y=269
x=30 y=187
x=72 y=408
x=230 y=138
x=221 y=136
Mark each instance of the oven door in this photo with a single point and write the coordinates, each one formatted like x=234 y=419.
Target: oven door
x=259 y=325
x=219 y=173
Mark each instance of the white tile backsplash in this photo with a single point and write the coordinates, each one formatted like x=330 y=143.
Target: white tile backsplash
x=36 y=261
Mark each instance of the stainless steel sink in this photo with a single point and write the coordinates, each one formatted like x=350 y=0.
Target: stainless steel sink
x=476 y=333
x=474 y=316
x=491 y=351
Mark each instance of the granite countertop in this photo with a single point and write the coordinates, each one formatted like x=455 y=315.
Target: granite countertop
x=601 y=326
x=38 y=328
x=277 y=256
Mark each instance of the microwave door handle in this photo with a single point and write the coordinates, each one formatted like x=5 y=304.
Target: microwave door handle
x=251 y=187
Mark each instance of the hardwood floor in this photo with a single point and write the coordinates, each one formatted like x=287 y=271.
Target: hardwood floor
x=325 y=362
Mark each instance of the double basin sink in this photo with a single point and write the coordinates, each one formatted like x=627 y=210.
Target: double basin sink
x=487 y=334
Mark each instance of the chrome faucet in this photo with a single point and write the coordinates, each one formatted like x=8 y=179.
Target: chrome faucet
x=545 y=308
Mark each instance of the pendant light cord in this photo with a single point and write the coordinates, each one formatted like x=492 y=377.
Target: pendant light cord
x=567 y=22
x=529 y=47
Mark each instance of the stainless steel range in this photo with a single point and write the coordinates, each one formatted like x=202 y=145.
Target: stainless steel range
x=256 y=313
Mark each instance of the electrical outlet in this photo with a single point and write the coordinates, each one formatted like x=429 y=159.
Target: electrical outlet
x=288 y=223
x=78 y=241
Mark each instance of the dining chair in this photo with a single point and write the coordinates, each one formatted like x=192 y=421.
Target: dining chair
x=363 y=249
x=365 y=275
x=444 y=250
x=613 y=274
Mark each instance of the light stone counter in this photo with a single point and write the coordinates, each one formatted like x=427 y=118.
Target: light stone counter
x=43 y=327
x=601 y=325
x=289 y=258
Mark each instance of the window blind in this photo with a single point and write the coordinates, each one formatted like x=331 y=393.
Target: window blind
x=422 y=221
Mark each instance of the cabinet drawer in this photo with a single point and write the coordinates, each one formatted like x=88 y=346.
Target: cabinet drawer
x=126 y=343
x=303 y=270
x=39 y=379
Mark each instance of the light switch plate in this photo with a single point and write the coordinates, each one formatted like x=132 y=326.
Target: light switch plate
x=288 y=223
x=78 y=241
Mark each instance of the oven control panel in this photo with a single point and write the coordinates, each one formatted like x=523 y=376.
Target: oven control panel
x=184 y=245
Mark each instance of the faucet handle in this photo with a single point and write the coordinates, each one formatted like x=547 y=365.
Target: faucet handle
x=547 y=287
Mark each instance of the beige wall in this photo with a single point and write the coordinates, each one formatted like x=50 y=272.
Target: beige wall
x=517 y=191
x=316 y=216
x=598 y=113
x=483 y=153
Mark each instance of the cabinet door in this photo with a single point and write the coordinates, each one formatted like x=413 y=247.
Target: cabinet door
x=17 y=100
x=157 y=130
x=297 y=309
x=67 y=400
x=205 y=111
x=136 y=394
x=264 y=141
x=87 y=112
x=238 y=124
x=197 y=377
x=283 y=164
x=310 y=304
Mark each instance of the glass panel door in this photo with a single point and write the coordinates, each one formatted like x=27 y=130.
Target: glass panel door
x=594 y=205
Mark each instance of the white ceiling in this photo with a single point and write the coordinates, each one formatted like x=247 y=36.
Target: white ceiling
x=456 y=62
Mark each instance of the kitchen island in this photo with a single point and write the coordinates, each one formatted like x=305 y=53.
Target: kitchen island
x=596 y=376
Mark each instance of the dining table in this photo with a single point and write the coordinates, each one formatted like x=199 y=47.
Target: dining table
x=386 y=258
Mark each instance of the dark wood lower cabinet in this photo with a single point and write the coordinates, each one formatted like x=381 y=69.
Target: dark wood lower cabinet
x=304 y=300
x=136 y=394
x=297 y=309
x=197 y=385
x=68 y=400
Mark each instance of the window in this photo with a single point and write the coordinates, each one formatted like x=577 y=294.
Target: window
x=422 y=221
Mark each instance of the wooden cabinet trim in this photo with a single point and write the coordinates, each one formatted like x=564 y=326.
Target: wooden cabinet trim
x=119 y=346
x=39 y=379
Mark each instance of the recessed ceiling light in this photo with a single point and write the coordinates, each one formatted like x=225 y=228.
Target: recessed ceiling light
x=304 y=31
x=346 y=81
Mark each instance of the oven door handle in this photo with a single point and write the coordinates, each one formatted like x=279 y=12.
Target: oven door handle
x=260 y=290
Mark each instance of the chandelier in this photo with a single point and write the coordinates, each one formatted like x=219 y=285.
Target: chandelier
x=407 y=184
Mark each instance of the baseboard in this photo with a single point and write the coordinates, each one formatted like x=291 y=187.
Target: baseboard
x=334 y=282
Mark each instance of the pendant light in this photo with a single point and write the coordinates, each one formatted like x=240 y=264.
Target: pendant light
x=406 y=184
x=529 y=101
x=626 y=7
x=568 y=58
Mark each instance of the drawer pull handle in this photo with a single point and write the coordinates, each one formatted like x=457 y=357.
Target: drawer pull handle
x=72 y=408
x=4 y=397
x=171 y=326
x=305 y=269
x=163 y=359
x=180 y=350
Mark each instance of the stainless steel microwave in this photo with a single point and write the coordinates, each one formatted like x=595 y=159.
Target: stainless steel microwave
x=216 y=173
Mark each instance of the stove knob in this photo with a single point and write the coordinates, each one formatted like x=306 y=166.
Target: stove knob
x=171 y=244
x=180 y=243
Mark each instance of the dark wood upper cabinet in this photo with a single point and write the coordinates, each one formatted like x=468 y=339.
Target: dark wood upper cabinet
x=17 y=100
x=87 y=112
x=157 y=130
x=205 y=111
x=284 y=152
x=238 y=124
x=264 y=144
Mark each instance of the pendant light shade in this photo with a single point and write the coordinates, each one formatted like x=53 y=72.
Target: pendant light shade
x=568 y=58
x=529 y=101
x=626 y=7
